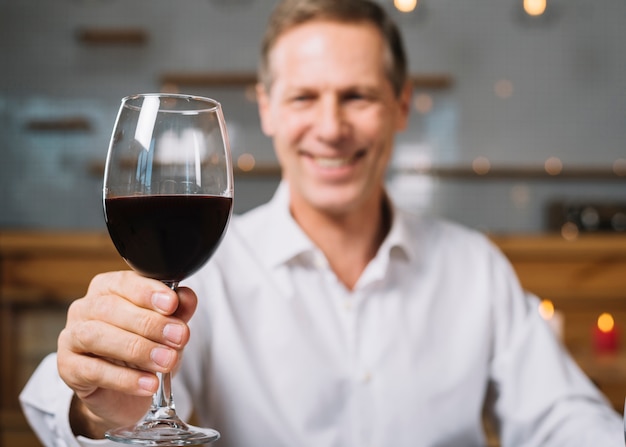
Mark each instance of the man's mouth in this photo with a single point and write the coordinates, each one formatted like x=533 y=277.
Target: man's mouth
x=337 y=162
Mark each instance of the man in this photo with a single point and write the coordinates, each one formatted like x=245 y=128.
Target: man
x=328 y=316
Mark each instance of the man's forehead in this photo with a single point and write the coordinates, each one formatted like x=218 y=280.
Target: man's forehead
x=334 y=42
x=315 y=32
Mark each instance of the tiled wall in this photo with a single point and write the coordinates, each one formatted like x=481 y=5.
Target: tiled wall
x=522 y=92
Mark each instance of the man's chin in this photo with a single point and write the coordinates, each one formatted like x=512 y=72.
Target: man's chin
x=333 y=199
x=336 y=202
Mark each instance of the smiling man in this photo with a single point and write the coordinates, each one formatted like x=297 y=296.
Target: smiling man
x=329 y=316
x=333 y=132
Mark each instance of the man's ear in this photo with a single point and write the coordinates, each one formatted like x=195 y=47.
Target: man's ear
x=404 y=101
x=263 y=103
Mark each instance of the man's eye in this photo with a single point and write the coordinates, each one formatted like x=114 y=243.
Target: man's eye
x=301 y=98
x=356 y=97
x=301 y=101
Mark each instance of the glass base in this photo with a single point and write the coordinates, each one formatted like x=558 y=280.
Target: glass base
x=162 y=432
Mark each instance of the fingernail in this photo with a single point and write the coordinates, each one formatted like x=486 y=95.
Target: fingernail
x=162 y=356
x=173 y=333
x=148 y=384
x=162 y=301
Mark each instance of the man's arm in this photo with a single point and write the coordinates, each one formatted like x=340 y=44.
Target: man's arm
x=543 y=397
x=46 y=402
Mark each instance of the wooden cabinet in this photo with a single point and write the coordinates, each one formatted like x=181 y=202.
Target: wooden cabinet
x=41 y=273
x=584 y=277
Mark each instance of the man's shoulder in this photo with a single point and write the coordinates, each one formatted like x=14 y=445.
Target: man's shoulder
x=437 y=227
x=430 y=235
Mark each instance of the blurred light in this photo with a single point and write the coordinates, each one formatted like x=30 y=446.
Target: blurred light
x=546 y=309
x=520 y=195
x=405 y=5
x=569 y=231
x=535 y=7
x=503 y=88
x=619 y=167
x=606 y=323
x=246 y=162
x=423 y=103
x=590 y=218
x=618 y=221
x=481 y=165
x=553 y=166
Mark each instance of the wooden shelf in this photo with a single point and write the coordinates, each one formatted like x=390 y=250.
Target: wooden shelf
x=589 y=247
x=65 y=124
x=112 y=36
x=432 y=81
x=466 y=173
x=516 y=172
x=580 y=274
x=460 y=173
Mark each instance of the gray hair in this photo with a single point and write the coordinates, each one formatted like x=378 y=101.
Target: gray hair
x=291 y=13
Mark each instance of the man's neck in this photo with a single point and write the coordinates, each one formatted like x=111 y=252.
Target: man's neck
x=349 y=241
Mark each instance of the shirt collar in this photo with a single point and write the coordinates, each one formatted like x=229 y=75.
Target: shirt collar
x=400 y=237
x=280 y=239
x=284 y=240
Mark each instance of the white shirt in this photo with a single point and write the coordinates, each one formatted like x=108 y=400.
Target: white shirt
x=282 y=354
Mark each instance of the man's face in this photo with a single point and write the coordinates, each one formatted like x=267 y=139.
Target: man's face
x=332 y=114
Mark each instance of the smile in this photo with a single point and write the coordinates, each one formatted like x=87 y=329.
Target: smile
x=336 y=162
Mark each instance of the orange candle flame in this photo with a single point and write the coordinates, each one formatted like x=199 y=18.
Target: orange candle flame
x=546 y=309
x=606 y=323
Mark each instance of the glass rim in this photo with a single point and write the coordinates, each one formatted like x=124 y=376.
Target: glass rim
x=211 y=104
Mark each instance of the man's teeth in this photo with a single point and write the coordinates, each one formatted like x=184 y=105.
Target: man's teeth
x=332 y=162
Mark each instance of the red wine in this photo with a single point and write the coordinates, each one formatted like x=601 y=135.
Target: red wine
x=167 y=237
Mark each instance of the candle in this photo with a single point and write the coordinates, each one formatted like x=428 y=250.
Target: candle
x=605 y=337
x=553 y=317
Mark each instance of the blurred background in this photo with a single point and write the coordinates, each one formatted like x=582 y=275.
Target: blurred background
x=518 y=129
x=513 y=113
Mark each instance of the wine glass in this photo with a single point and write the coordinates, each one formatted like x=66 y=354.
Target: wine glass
x=168 y=193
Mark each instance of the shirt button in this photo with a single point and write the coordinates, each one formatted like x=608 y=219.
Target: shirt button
x=347 y=305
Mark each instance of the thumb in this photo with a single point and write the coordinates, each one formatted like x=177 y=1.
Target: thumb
x=187 y=303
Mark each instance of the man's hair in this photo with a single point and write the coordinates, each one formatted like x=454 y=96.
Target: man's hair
x=291 y=13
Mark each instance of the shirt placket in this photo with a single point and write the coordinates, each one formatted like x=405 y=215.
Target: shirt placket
x=348 y=305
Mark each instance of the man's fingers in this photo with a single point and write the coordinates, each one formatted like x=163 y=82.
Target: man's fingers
x=97 y=373
x=99 y=339
x=188 y=301
x=168 y=330
x=143 y=292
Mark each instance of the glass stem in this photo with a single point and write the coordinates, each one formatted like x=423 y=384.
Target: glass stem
x=163 y=400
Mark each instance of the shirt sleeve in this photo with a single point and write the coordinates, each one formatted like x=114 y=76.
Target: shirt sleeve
x=46 y=403
x=542 y=397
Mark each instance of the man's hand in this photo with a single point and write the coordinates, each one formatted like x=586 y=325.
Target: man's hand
x=124 y=330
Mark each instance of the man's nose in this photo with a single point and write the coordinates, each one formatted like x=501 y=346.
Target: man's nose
x=331 y=121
